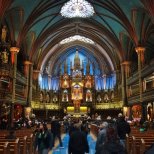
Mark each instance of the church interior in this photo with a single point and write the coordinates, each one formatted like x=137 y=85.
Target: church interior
x=76 y=57
x=55 y=63
x=98 y=60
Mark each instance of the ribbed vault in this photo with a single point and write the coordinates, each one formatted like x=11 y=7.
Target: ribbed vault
x=117 y=27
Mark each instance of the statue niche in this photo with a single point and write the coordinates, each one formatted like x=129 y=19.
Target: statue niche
x=65 y=96
x=4 y=34
x=88 y=96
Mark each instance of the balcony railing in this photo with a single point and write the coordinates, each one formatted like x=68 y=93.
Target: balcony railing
x=146 y=96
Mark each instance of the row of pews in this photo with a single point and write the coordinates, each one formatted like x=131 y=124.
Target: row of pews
x=136 y=143
x=23 y=144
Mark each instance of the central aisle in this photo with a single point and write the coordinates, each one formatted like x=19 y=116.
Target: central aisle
x=64 y=150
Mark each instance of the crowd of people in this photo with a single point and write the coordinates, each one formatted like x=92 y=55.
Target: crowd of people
x=17 y=123
x=111 y=136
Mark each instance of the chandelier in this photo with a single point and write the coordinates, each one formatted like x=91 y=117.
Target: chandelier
x=77 y=38
x=77 y=8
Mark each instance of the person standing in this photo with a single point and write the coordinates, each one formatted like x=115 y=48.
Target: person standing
x=112 y=144
x=123 y=128
x=43 y=140
x=56 y=131
x=101 y=137
x=78 y=143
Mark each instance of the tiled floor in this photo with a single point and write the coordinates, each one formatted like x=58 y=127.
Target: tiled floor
x=64 y=150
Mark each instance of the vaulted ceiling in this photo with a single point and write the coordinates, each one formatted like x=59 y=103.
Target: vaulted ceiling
x=117 y=27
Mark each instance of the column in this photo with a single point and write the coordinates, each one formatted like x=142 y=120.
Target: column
x=28 y=70
x=124 y=96
x=30 y=84
x=14 y=51
x=35 y=78
x=127 y=74
x=117 y=72
x=140 y=52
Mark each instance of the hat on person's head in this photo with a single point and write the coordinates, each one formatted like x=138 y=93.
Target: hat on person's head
x=120 y=115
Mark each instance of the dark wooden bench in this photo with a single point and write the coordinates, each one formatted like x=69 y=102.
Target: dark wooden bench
x=145 y=144
x=4 y=148
x=13 y=145
x=30 y=142
x=22 y=143
x=133 y=142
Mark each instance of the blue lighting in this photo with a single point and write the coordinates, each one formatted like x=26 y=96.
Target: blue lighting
x=67 y=58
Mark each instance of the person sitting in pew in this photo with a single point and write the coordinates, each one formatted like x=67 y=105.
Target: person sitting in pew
x=11 y=135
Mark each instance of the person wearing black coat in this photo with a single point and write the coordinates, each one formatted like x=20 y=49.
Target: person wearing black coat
x=43 y=143
x=78 y=143
x=56 y=130
x=123 y=128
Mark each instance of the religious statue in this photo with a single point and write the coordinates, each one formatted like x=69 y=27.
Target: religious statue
x=77 y=105
x=106 y=98
x=112 y=96
x=55 y=99
x=99 y=99
x=4 y=56
x=41 y=97
x=47 y=98
x=4 y=33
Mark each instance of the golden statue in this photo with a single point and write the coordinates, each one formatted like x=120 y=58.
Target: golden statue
x=4 y=33
x=4 y=56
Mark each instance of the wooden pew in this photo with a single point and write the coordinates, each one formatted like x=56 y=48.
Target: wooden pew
x=4 y=148
x=145 y=144
x=128 y=143
x=22 y=143
x=13 y=145
x=30 y=141
x=136 y=143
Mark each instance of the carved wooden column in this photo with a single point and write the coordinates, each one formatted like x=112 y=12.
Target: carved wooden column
x=124 y=96
x=14 y=51
x=127 y=74
x=126 y=69
x=30 y=84
x=140 y=52
x=28 y=70
x=35 y=78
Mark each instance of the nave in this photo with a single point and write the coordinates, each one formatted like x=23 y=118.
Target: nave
x=64 y=150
